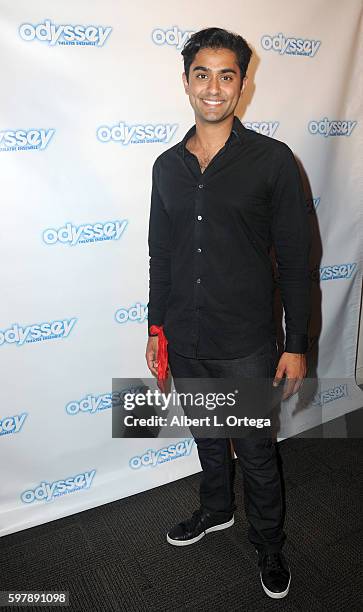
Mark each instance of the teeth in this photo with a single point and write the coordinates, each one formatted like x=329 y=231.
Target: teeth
x=213 y=102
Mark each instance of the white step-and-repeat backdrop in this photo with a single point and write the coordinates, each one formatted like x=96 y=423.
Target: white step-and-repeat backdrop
x=91 y=94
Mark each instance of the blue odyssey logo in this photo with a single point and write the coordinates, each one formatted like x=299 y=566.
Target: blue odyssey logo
x=330 y=395
x=173 y=37
x=267 y=128
x=153 y=458
x=37 y=332
x=48 y=32
x=335 y=127
x=138 y=312
x=48 y=491
x=18 y=140
x=290 y=45
x=90 y=404
x=72 y=234
x=137 y=134
x=345 y=270
x=12 y=424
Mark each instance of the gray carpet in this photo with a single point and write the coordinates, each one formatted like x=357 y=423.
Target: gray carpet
x=115 y=557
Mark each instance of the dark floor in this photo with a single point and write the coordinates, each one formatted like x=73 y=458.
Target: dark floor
x=115 y=557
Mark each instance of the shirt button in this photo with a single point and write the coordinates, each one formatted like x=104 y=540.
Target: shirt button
x=199 y=250
x=198 y=280
x=199 y=217
x=201 y=186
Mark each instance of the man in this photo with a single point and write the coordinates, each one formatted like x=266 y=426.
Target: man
x=220 y=199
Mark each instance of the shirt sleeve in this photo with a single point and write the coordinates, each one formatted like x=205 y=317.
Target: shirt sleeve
x=159 y=254
x=292 y=240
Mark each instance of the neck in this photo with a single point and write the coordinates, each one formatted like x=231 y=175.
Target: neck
x=212 y=135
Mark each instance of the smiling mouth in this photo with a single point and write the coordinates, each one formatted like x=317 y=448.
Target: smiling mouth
x=212 y=102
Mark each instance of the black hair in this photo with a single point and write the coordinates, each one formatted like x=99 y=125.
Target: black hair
x=217 y=38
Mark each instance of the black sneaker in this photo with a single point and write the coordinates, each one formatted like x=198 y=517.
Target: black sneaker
x=195 y=528
x=274 y=573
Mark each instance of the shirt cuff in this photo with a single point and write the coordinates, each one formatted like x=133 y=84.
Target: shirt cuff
x=296 y=343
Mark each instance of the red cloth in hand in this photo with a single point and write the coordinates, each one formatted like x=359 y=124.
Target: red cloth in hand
x=162 y=356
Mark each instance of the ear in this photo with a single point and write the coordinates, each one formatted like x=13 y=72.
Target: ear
x=185 y=83
x=244 y=83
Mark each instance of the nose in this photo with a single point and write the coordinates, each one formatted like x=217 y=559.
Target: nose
x=214 y=85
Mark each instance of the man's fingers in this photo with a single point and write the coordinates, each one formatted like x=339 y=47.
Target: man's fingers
x=291 y=387
x=278 y=377
x=297 y=385
x=152 y=364
x=153 y=370
x=288 y=388
x=294 y=370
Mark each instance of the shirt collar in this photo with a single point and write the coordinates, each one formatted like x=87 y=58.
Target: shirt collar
x=236 y=135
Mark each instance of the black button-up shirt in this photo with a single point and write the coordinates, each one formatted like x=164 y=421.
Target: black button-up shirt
x=211 y=275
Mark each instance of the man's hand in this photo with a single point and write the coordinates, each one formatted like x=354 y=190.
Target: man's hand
x=151 y=354
x=294 y=366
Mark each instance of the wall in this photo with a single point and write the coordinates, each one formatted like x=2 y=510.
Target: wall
x=75 y=181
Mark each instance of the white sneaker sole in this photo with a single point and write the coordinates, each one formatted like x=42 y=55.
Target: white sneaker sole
x=201 y=535
x=275 y=595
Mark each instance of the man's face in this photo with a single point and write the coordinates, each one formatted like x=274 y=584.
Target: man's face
x=214 y=84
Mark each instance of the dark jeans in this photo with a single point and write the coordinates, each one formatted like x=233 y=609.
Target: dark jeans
x=256 y=457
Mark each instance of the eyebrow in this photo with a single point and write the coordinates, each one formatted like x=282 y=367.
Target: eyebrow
x=224 y=70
